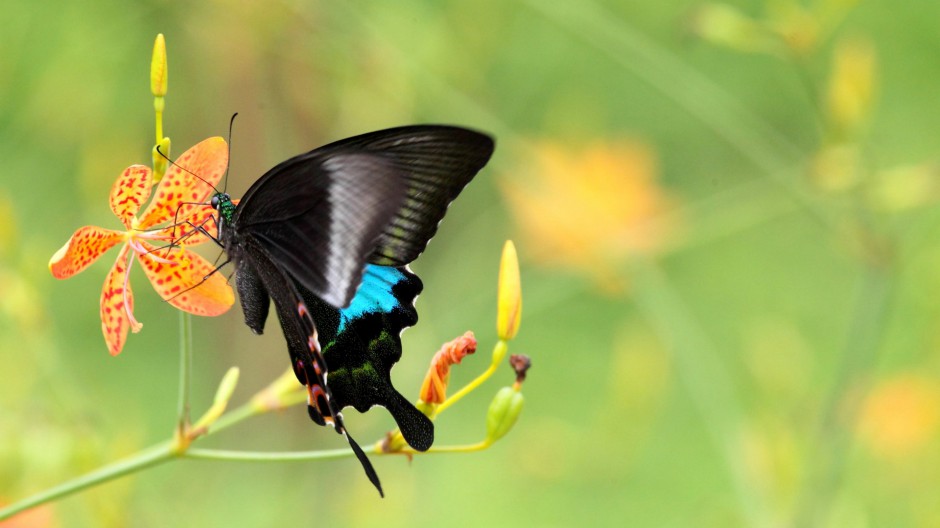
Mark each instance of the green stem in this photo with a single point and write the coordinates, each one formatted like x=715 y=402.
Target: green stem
x=467 y=389
x=262 y=456
x=703 y=374
x=149 y=457
x=234 y=416
x=186 y=367
x=833 y=435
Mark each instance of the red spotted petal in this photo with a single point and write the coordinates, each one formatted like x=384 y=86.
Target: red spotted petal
x=179 y=276
x=85 y=246
x=117 y=306
x=180 y=192
x=130 y=191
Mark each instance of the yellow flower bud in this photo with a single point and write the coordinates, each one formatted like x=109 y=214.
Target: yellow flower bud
x=723 y=25
x=503 y=413
x=158 y=68
x=160 y=159
x=222 y=396
x=851 y=85
x=226 y=387
x=509 y=294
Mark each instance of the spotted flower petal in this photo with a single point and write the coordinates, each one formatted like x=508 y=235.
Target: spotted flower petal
x=130 y=191
x=117 y=306
x=179 y=276
x=83 y=248
x=187 y=183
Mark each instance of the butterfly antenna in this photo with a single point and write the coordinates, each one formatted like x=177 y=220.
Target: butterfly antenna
x=231 y=125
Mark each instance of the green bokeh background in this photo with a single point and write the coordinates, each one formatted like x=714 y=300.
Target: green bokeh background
x=721 y=387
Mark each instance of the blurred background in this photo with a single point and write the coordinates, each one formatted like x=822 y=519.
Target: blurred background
x=725 y=214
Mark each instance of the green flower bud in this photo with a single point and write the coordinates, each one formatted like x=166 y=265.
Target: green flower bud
x=503 y=413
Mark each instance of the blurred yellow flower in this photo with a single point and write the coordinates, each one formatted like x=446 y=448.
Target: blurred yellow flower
x=900 y=415
x=591 y=208
x=851 y=86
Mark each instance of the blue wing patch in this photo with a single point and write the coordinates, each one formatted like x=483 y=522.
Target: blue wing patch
x=362 y=342
x=375 y=295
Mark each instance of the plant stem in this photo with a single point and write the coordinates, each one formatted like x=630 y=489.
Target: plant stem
x=704 y=375
x=186 y=367
x=149 y=457
x=262 y=456
x=467 y=389
x=833 y=434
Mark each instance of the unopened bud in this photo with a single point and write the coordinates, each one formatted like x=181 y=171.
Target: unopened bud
x=509 y=294
x=161 y=152
x=503 y=413
x=158 y=67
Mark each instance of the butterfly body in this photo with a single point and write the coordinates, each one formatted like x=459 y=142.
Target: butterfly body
x=327 y=235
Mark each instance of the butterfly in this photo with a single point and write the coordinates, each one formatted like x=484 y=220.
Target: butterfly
x=327 y=235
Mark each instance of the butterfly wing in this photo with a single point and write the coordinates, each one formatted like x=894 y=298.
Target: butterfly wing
x=318 y=217
x=313 y=214
x=303 y=344
x=361 y=344
x=436 y=162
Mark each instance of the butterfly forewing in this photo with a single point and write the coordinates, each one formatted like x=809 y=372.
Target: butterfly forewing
x=319 y=217
x=436 y=162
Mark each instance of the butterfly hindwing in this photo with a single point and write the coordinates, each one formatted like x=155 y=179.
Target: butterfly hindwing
x=361 y=344
x=303 y=344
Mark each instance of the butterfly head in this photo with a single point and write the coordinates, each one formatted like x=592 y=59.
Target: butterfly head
x=222 y=203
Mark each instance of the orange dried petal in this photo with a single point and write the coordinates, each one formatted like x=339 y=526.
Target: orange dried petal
x=180 y=192
x=179 y=276
x=434 y=387
x=83 y=248
x=130 y=191
x=117 y=306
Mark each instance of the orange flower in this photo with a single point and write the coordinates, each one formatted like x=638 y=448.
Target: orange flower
x=172 y=270
x=901 y=415
x=590 y=209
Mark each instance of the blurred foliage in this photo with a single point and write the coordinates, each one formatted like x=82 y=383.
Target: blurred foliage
x=724 y=213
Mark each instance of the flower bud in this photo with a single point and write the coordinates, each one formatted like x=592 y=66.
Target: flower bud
x=723 y=25
x=158 y=68
x=222 y=396
x=503 y=413
x=851 y=86
x=509 y=294
x=160 y=159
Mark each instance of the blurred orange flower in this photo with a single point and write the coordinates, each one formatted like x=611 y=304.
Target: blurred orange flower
x=173 y=270
x=900 y=415
x=39 y=517
x=589 y=209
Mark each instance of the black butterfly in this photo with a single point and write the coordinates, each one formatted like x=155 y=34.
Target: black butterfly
x=344 y=217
